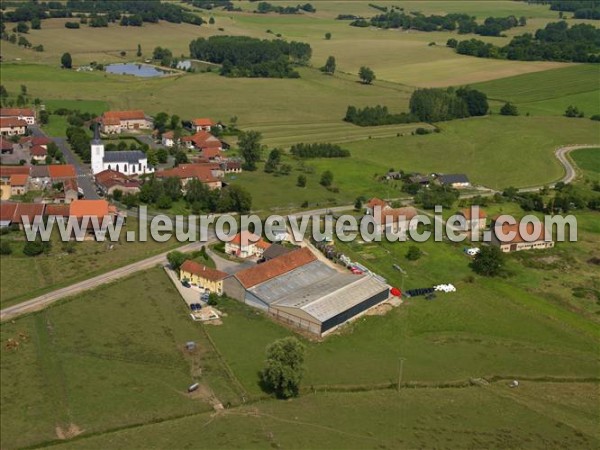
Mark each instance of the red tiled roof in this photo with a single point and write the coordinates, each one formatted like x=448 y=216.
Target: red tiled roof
x=38 y=150
x=395 y=214
x=5 y=144
x=62 y=171
x=136 y=114
x=16 y=112
x=538 y=231
x=245 y=237
x=57 y=210
x=19 y=179
x=466 y=213
x=203 y=122
x=7 y=211
x=30 y=210
x=80 y=208
x=203 y=139
x=11 y=122
x=212 y=152
x=376 y=202
x=70 y=184
x=7 y=171
x=35 y=140
x=184 y=171
x=168 y=135
x=202 y=271
x=109 y=174
x=275 y=267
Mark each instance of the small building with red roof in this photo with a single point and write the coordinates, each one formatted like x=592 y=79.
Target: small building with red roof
x=115 y=122
x=187 y=172
x=11 y=126
x=475 y=218
x=203 y=276
x=61 y=172
x=18 y=184
x=25 y=114
x=202 y=124
x=246 y=245
x=38 y=153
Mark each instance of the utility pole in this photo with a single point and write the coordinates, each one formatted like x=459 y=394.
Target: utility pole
x=400 y=372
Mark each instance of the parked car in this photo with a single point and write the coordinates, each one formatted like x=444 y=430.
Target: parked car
x=186 y=284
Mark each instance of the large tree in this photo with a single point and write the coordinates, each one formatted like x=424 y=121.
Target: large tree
x=250 y=148
x=176 y=259
x=366 y=75
x=283 y=369
x=329 y=67
x=66 y=61
x=489 y=261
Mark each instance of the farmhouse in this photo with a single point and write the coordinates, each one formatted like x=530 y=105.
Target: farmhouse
x=246 y=245
x=168 y=139
x=61 y=172
x=202 y=276
x=203 y=124
x=11 y=126
x=38 y=153
x=455 y=180
x=475 y=218
x=6 y=146
x=18 y=184
x=201 y=141
x=396 y=220
x=132 y=162
x=540 y=237
x=115 y=122
x=374 y=203
x=303 y=292
x=32 y=141
x=26 y=114
x=6 y=172
x=187 y=172
x=110 y=181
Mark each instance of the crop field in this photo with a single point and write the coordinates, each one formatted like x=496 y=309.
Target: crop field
x=24 y=277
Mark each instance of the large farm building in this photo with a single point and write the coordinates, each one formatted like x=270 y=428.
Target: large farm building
x=298 y=289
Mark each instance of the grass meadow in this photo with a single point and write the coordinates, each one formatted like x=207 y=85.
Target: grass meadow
x=539 y=415
x=548 y=93
x=588 y=161
x=23 y=277
x=110 y=358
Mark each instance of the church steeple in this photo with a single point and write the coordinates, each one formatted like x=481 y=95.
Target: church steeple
x=97 y=152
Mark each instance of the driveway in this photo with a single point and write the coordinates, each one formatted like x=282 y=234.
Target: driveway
x=226 y=265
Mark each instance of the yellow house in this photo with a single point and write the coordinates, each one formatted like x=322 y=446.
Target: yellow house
x=205 y=277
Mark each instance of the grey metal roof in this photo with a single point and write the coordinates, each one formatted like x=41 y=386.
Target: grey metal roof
x=126 y=156
x=293 y=281
x=275 y=250
x=454 y=178
x=333 y=296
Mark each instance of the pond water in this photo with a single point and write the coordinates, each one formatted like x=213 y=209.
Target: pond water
x=138 y=70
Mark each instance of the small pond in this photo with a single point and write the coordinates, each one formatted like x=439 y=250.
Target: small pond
x=135 y=69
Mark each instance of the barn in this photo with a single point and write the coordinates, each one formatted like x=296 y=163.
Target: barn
x=299 y=290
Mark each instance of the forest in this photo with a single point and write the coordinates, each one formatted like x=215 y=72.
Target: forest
x=242 y=56
x=555 y=42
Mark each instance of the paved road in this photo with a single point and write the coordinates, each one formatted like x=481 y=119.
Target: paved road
x=84 y=175
x=45 y=300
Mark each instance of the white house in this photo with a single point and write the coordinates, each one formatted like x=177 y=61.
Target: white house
x=246 y=244
x=26 y=114
x=133 y=162
x=168 y=139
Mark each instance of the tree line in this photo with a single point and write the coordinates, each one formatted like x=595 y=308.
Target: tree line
x=319 y=150
x=266 y=7
x=555 y=42
x=581 y=9
x=242 y=56
x=426 y=105
x=492 y=26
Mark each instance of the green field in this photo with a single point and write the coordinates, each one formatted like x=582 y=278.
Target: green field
x=588 y=160
x=539 y=415
x=109 y=359
x=493 y=151
x=125 y=383
x=24 y=277
x=549 y=93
